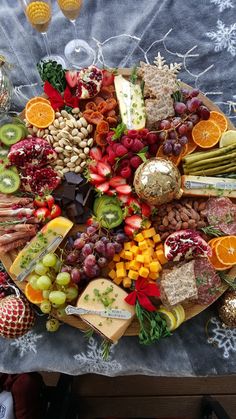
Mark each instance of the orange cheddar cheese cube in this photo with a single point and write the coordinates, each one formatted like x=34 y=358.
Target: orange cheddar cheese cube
x=134 y=249
x=143 y=272
x=140 y=258
x=151 y=243
x=161 y=257
x=111 y=265
x=127 y=245
x=112 y=274
x=121 y=272
x=139 y=237
x=147 y=258
x=120 y=265
x=143 y=245
x=128 y=255
x=122 y=253
x=127 y=282
x=134 y=265
x=153 y=275
x=116 y=258
x=149 y=233
x=148 y=251
x=159 y=246
x=155 y=266
x=127 y=265
x=117 y=281
x=133 y=274
x=156 y=238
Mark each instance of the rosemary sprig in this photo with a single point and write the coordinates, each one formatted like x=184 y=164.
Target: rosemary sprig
x=226 y=278
x=106 y=348
x=152 y=326
x=134 y=75
x=88 y=333
x=212 y=231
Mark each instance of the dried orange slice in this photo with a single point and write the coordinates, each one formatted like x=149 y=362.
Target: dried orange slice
x=206 y=134
x=219 y=120
x=34 y=296
x=174 y=159
x=40 y=114
x=36 y=99
x=226 y=250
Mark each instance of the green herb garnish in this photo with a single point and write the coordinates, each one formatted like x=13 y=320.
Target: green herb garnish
x=106 y=348
x=152 y=326
x=134 y=75
x=212 y=231
x=119 y=131
x=88 y=333
x=54 y=73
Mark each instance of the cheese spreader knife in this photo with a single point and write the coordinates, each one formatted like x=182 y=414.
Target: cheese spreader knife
x=112 y=313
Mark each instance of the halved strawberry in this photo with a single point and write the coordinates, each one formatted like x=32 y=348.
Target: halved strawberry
x=123 y=198
x=133 y=205
x=117 y=181
x=111 y=192
x=71 y=78
x=107 y=78
x=135 y=221
x=93 y=167
x=146 y=210
x=103 y=187
x=103 y=169
x=124 y=189
x=129 y=230
x=95 y=153
x=95 y=178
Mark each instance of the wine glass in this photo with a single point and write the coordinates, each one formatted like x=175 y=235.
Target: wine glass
x=39 y=14
x=78 y=52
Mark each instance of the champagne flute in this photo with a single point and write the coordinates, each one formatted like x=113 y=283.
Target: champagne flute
x=39 y=14
x=78 y=52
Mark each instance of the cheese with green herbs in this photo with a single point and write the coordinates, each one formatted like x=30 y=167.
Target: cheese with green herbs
x=208 y=186
x=102 y=294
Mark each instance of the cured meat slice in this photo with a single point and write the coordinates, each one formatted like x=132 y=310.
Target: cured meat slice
x=207 y=280
x=221 y=213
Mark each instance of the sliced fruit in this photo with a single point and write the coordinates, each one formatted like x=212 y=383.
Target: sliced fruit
x=134 y=221
x=9 y=181
x=186 y=244
x=71 y=78
x=206 y=134
x=213 y=242
x=104 y=169
x=110 y=216
x=220 y=120
x=117 y=181
x=174 y=159
x=226 y=250
x=95 y=178
x=36 y=99
x=3 y=153
x=191 y=146
x=11 y=134
x=179 y=313
x=228 y=138
x=95 y=153
x=169 y=318
x=40 y=114
x=34 y=296
x=124 y=189
x=103 y=187
x=219 y=266
x=103 y=200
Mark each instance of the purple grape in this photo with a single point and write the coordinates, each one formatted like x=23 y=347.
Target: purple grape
x=92 y=271
x=75 y=275
x=183 y=140
x=110 y=250
x=203 y=112
x=180 y=108
x=182 y=129
x=66 y=268
x=164 y=124
x=167 y=148
x=162 y=135
x=79 y=243
x=118 y=247
x=194 y=93
x=120 y=237
x=94 y=238
x=104 y=239
x=84 y=236
x=72 y=257
x=102 y=262
x=78 y=235
x=189 y=125
x=91 y=229
x=177 y=149
x=90 y=260
x=176 y=121
x=193 y=104
x=173 y=135
x=100 y=247
x=82 y=274
x=186 y=92
x=194 y=118
x=87 y=249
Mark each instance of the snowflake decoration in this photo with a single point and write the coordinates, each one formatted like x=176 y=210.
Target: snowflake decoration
x=93 y=362
x=224 y=37
x=223 y=337
x=159 y=61
x=26 y=343
x=223 y=4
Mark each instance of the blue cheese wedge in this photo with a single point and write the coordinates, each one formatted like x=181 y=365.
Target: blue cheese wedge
x=208 y=186
x=131 y=103
x=102 y=294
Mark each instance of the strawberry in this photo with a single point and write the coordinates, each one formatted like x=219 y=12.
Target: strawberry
x=95 y=178
x=133 y=205
x=107 y=78
x=39 y=201
x=146 y=210
x=71 y=78
x=123 y=198
x=126 y=172
x=124 y=189
x=103 y=169
x=111 y=192
x=95 y=153
x=129 y=230
x=50 y=201
x=93 y=167
x=55 y=211
x=103 y=187
x=117 y=181
x=42 y=215
x=134 y=221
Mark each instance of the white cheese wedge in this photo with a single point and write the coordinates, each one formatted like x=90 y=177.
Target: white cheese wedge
x=208 y=186
x=96 y=296
x=131 y=103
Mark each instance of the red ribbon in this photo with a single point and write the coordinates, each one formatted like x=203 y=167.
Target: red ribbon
x=143 y=290
x=57 y=100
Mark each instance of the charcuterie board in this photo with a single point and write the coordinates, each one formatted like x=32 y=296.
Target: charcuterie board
x=191 y=310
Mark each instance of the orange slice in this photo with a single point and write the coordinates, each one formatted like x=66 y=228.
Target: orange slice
x=226 y=250
x=34 y=296
x=174 y=159
x=216 y=263
x=36 y=99
x=191 y=145
x=213 y=242
x=40 y=114
x=206 y=134
x=219 y=120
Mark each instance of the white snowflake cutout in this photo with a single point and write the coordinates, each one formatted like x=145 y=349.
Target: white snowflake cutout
x=93 y=362
x=223 y=337
x=224 y=37
x=27 y=343
x=223 y=4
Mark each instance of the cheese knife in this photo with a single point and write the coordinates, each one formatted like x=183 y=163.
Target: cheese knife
x=111 y=313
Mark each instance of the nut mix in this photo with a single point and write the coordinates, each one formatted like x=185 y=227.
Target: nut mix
x=69 y=135
x=180 y=215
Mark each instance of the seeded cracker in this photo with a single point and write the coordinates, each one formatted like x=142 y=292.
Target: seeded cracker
x=160 y=83
x=179 y=284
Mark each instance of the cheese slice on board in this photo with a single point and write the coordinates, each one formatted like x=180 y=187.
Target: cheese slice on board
x=101 y=294
x=46 y=240
x=208 y=186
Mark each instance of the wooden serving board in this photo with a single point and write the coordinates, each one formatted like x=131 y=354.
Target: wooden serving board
x=191 y=310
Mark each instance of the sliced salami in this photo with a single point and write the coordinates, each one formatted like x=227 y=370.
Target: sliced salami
x=221 y=213
x=207 y=280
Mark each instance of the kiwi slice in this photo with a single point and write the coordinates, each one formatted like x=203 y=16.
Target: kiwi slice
x=110 y=215
x=3 y=153
x=5 y=165
x=18 y=121
x=103 y=200
x=11 y=134
x=9 y=181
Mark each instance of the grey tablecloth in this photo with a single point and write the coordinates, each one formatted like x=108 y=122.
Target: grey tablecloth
x=202 y=36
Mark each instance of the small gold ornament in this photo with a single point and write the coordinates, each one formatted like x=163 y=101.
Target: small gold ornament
x=157 y=181
x=227 y=308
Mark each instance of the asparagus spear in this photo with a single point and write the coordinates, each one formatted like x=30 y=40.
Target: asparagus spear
x=213 y=160
x=215 y=170
x=214 y=153
x=190 y=170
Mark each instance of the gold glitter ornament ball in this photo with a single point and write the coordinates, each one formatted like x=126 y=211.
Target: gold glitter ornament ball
x=227 y=308
x=157 y=181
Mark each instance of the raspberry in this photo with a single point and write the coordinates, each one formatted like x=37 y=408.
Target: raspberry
x=135 y=161
x=124 y=163
x=143 y=132
x=153 y=149
x=126 y=172
x=132 y=133
x=127 y=142
x=137 y=145
x=121 y=150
